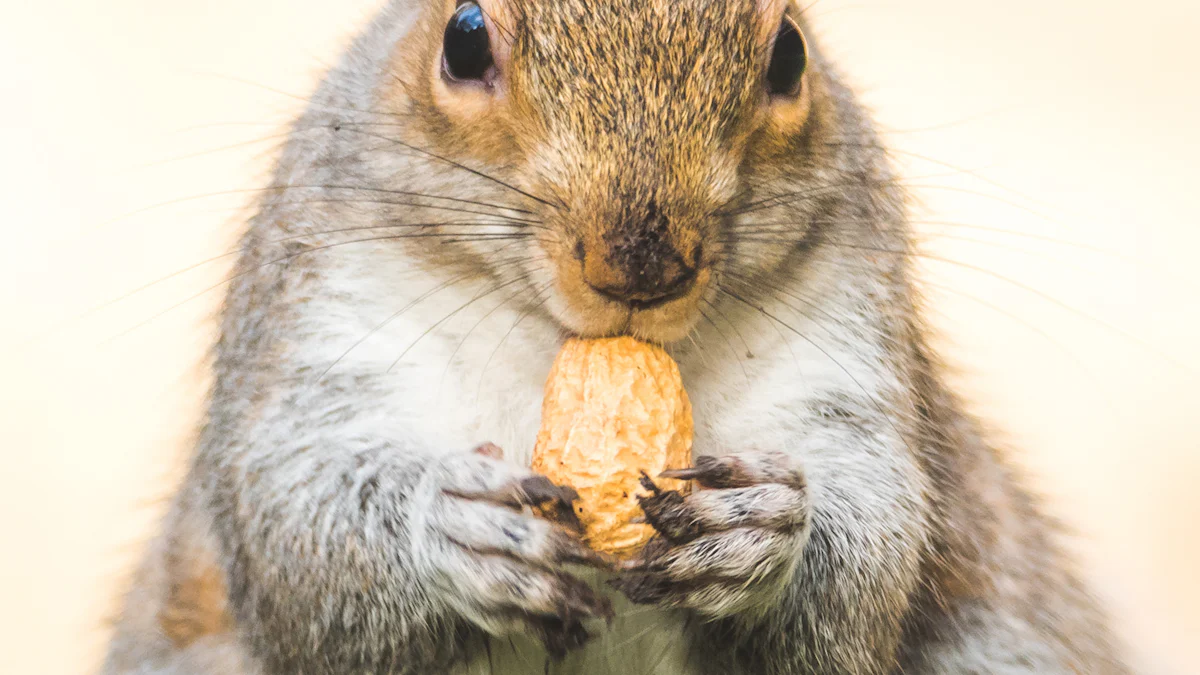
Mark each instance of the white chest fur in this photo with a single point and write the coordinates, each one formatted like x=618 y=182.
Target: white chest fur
x=459 y=385
x=459 y=372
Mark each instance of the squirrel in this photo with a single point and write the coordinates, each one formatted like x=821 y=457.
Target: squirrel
x=472 y=183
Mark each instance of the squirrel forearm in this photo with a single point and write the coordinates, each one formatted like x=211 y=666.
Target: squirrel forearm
x=842 y=613
x=319 y=550
x=843 y=609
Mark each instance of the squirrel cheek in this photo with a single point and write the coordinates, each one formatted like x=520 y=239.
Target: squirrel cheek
x=463 y=105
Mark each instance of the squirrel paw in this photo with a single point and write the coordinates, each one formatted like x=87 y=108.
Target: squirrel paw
x=727 y=548
x=501 y=566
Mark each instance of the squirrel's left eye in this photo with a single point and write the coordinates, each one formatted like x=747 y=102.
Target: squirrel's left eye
x=788 y=61
x=466 y=48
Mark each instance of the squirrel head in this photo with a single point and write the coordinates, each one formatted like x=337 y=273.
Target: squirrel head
x=629 y=130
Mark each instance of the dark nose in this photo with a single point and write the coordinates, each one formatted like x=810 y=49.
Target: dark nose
x=640 y=268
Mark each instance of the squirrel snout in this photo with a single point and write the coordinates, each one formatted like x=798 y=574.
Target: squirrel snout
x=641 y=270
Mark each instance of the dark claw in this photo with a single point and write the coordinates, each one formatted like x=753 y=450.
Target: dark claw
x=538 y=490
x=667 y=511
x=649 y=559
x=594 y=607
x=574 y=552
x=553 y=502
x=581 y=602
x=711 y=473
x=642 y=579
x=648 y=483
x=559 y=637
x=643 y=588
x=565 y=632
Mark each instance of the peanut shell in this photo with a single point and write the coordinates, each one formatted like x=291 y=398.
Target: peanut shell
x=614 y=408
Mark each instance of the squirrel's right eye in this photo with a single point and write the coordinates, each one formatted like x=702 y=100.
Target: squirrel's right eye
x=466 y=49
x=788 y=61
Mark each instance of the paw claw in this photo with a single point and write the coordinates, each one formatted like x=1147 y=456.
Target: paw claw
x=643 y=588
x=723 y=548
x=553 y=502
x=710 y=472
x=668 y=513
x=560 y=637
x=574 y=551
x=647 y=483
x=680 y=474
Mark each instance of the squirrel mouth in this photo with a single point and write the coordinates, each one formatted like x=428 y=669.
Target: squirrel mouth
x=642 y=297
x=663 y=318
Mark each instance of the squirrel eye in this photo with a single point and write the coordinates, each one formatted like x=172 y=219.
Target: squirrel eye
x=466 y=49
x=788 y=61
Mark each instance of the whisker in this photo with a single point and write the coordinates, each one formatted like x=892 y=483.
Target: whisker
x=498 y=236
x=284 y=188
x=423 y=195
x=776 y=236
x=783 y=338
x=453 y=209
x=884 y=416
x=427 y=331
x=1025 y=287
x=989 y=305
x=890 y=150
x=786 y=227
x=728 y=345
x=459 y=165
x=786 y=199
x=303 y=99
x=212 y=151
x=520 y=318
x=748 y=281
x=483 y=318
x=276 y=261
x=383 y=324
x=1071 y=354
x=741 y=338
x=92 y=311
x=704 y=362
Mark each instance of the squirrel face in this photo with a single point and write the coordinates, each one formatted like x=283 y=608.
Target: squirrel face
x=636 y=123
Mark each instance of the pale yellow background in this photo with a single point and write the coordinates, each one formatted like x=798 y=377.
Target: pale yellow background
x=1083 y=113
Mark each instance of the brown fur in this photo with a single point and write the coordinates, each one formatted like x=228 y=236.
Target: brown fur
x=620 y=135
x=197 y=606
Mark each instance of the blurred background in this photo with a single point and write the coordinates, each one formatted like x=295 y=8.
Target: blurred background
x=1052 y=145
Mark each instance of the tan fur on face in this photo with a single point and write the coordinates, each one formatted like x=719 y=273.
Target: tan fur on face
x=607 y=134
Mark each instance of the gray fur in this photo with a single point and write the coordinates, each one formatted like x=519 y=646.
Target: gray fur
x=867 y=527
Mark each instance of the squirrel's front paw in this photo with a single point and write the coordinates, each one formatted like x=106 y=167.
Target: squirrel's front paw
x=728 y=548
x=499 y=565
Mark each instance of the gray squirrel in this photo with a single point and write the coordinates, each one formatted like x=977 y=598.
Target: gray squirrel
x=472 y=183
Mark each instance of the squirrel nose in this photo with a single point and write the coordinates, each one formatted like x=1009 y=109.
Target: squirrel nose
x=642 y=272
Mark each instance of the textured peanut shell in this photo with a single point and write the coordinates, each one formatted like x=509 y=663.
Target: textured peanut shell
x=613 y=409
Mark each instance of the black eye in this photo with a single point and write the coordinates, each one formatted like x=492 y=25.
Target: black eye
x=788 y=61
x=466 y=49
